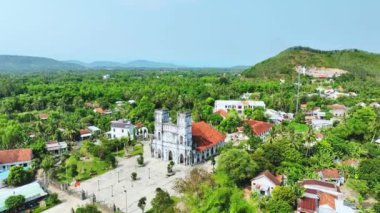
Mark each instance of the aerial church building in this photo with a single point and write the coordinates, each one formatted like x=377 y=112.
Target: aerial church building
x=185 y=142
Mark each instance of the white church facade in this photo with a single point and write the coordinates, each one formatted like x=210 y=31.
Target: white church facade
x=185 y=142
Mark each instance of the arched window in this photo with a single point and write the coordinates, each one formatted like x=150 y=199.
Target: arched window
x=159 y=135
x=181 y=139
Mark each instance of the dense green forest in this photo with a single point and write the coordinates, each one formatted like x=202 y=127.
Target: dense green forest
x=283 y=65
x=65 y=96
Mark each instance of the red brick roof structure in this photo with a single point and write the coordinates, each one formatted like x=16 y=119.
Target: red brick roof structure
x=15 y=155
x=205 y=136
x=330 y=173
x=326 y=199
x=43 y=116
x=307 y=205
x=270 y=176
x=336 y=106
x=84 y=131
x=320 y=183
x=222 y=113
x=259 y=127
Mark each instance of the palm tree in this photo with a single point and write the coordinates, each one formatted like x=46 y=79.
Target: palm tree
x=47 y=164
x=309 y=140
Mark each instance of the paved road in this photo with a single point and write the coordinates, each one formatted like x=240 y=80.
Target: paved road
x=116 y=186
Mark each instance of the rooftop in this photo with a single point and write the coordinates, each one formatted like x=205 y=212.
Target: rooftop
x=270 y=176
x=259 y=127
x=15 y=155
x=205 y=136
x=330 y=173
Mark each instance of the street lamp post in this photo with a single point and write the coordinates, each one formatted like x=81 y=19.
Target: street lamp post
x=126 y=201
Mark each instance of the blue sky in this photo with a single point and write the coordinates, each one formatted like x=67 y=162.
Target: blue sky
x=186 y=32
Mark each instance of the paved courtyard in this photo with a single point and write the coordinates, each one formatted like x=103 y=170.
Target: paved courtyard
x=116 y=186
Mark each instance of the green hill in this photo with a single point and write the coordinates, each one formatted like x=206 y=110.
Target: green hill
x=12 y=63
x=283 y=65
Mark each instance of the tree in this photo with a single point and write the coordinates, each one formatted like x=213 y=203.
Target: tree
x=258 y=114
x=140 y=160
x=47 y=164
x=142 y=203
x=284 y=193
x=237 y=164
x=162 y=202
x=134 y=176
x=18 y=176
x=170 y=166
x=278 y=206
x=72 y=170
x=14 y=201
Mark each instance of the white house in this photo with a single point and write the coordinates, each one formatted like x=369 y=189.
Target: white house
x=320 y=123
x=338 y=110
x=184 y=142
x=265 y=182
x=106 y=76
x=122 y=128
x=15 y=157
x=239 y=106
x=56 y=148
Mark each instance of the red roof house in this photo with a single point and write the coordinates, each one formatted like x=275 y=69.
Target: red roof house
x=259 y=127
x=18 y=157
x=205 y=136
x=43 y=116
x=222 y=113
x=307 y=205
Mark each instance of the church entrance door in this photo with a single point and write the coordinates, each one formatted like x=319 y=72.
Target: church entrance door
x=170 y=155
x=181 y=159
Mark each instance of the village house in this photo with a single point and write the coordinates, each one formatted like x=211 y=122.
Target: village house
x=102 y=111
x=184 y=142
x=321 y=123
x=331 y=175
x=222 y=113
x=15 y=157
x=259 y=128
x=350 y=162
x=265 y=182
x=338 y=110
x=56 y=148
x=375 y=105
x=278 y=116
x=43 y=116
x=124 y=128
x=106 y=76
x=239 y=106
x=32 y=192
x=322 y=197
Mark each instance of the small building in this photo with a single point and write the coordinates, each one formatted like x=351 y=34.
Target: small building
x=331 y=175
x=122 y=128
x=321 y=123
x=350 y=162
x=265 y=182
x=102 y=111
x=43 y=116
x=85 y=134
x=222 y=113
x=375 y=105
x=246 y=96
x=94 y=129
x=106 y=76
x=15 y=157
x=338 y=110
x=259 y=128
x=239 y=106
x=56 y=148
x=32 y=192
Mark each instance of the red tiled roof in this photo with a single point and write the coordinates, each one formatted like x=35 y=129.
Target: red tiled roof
x=84 y=131
x=311 y=191
x=15 y=155
x=350 y=162
x=307 y=205
x=336 y=106
x=99 y=110
x=259 y=127
x=205 y=136
x=222 y=113
x=330 y=173
x=43 y=116
x=326 y=199
x=139 y=124
x=320 y=183
x=270 y=176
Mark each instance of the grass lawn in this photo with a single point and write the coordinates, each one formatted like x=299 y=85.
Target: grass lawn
x=137 y=149
x=86 y=169
x=299 y=127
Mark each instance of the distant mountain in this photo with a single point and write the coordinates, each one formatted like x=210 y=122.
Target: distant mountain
x=131 y=64
x=283 y=65
x=12 y=63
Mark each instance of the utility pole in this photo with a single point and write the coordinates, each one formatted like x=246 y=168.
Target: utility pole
x=126 y=201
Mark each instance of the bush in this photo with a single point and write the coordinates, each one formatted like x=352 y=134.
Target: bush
x=52 y=200
x=15 y=201
x=18 y=176
x=359 y=186
x=140 y=160
x=89 y=208
x=134 y=176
